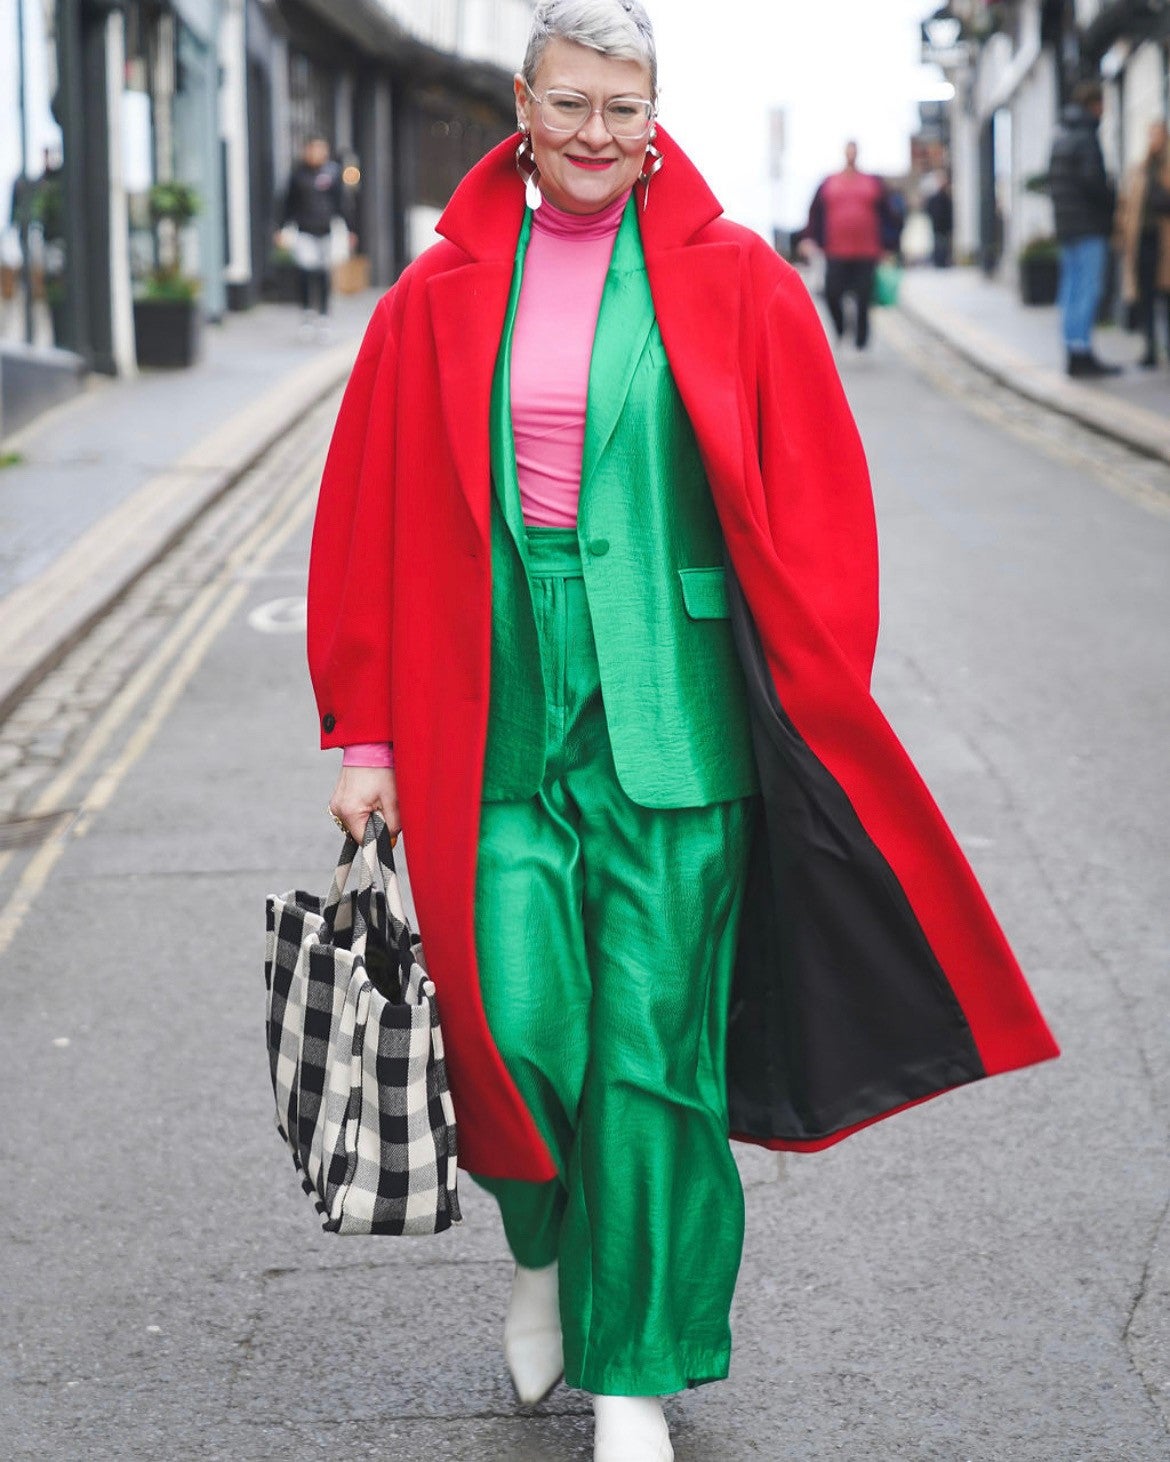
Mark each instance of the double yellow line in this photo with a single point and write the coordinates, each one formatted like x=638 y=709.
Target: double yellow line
x=156 y=686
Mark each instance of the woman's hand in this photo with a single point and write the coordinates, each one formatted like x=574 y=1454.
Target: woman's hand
x=362 y=790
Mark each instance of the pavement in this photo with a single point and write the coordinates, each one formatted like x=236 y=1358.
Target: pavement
x=100 y=487
x=1021 y=346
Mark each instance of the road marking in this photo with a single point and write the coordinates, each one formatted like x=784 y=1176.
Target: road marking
x=167 y=672
x=281 y=616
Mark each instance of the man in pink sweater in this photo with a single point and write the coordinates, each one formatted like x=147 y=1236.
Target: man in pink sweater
x=851 y=221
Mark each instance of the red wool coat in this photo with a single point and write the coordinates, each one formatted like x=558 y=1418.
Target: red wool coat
x=873 y=974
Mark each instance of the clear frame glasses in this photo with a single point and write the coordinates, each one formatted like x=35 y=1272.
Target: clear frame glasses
x=626 y=118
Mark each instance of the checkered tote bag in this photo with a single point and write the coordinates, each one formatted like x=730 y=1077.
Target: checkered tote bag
x=356 y=1052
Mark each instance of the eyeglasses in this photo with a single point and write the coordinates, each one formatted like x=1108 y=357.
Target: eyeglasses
x=625 y=117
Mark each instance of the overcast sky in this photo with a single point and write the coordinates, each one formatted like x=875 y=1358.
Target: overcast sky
x=838 y=68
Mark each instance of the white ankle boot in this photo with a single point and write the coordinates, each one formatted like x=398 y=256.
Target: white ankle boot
x=630 y=1429
x=532 y=1334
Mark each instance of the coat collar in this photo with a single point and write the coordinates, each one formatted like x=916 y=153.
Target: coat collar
x=469 y=306
x=484 y=215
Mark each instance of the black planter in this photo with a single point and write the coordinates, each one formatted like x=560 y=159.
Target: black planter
x=242 y=296
x=282 y=284
x=1039 y=280
x=59 y=315
x=168 y=334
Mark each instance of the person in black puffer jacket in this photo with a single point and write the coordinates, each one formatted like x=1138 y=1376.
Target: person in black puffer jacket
x=316 y=195
x=1082 y=200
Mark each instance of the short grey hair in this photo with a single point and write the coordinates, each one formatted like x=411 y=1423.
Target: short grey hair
x=618 y=28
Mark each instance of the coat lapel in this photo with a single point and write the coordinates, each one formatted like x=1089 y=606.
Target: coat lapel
x=468 y=306
x=696 y=293
x=505 y=473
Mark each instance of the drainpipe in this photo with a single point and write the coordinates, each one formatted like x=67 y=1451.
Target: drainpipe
x=25 y=191
x=1016 y=73
x=234 y=109
x=123 y=358
x=69 y=106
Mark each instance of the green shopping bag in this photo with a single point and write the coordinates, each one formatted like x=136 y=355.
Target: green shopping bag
x=886 y=279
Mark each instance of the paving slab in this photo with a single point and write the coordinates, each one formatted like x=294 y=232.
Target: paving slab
x=105 y=484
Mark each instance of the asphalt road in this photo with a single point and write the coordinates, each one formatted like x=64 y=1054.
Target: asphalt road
x=982 y=1280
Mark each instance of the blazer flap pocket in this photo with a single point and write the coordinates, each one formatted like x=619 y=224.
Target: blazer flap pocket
x=705 y=593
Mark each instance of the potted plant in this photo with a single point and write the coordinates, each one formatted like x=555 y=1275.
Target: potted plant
x=168 y=323
x=281 y=281
x=1039 y=263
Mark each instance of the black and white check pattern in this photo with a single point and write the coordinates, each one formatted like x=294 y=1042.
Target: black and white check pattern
x=356 y=1053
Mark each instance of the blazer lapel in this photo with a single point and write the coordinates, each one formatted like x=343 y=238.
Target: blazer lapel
x=624 y=324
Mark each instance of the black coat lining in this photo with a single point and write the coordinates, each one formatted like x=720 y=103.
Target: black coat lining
x=840 y=1010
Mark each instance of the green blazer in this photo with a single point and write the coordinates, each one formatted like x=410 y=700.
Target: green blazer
x=652 y=557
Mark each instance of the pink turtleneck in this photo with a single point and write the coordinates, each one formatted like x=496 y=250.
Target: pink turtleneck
x=556 y=320
x=564 y=279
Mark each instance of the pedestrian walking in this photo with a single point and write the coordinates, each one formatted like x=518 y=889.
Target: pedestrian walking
x=1082 y=201
x=315 y=196
x=1143 y=240
x=592 y=611
x=852 y=221
x=940 y=209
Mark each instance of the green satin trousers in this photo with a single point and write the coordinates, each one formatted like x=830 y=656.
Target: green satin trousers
x=606 y=937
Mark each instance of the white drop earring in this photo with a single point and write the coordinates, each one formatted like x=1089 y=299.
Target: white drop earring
x=526 y=167
x=651 y=166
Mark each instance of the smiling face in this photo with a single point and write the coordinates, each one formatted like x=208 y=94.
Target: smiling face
x=587 y=170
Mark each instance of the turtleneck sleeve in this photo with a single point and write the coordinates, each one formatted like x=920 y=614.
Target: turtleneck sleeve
x=564 y=279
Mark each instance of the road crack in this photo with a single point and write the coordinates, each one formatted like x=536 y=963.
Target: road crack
x=1147 y=1309
x=1149 y=1305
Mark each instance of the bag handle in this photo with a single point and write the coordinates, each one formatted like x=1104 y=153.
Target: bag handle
x=375 y=870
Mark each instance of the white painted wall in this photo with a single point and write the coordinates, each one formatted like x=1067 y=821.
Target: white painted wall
x=965 y=169
x=42 y=131
x=1033 y=125
x=233 y=126
x=498 y=29
x=481 y=30
x=995 y=61
x=1018 y=85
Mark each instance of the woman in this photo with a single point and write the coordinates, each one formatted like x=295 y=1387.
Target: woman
x=595 y=551
x=1143 y=239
